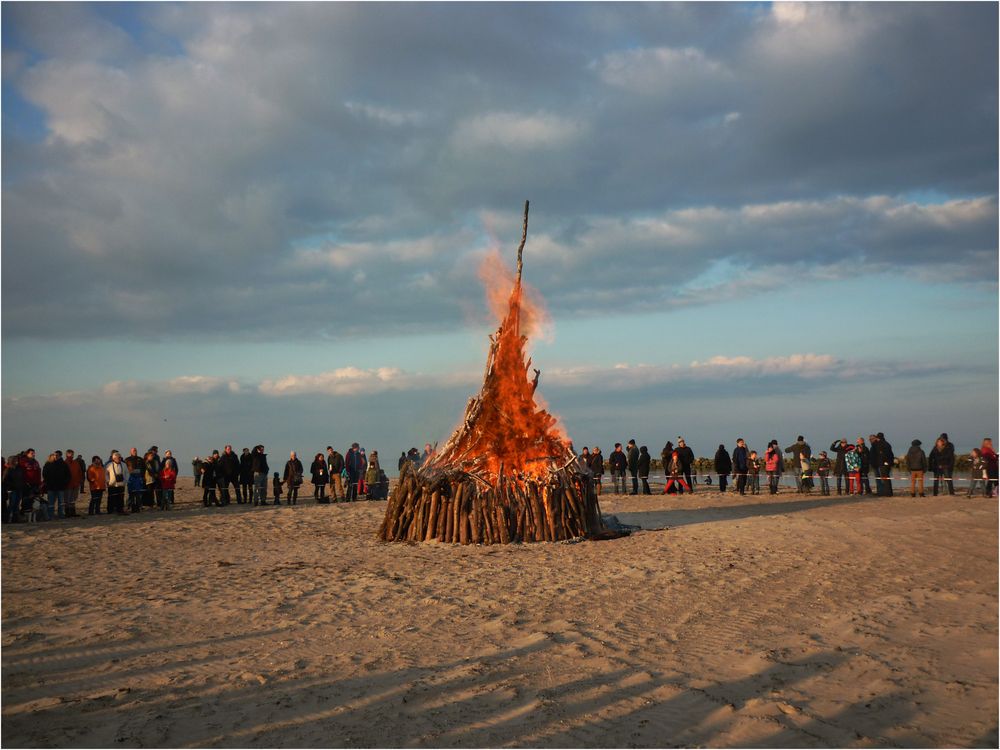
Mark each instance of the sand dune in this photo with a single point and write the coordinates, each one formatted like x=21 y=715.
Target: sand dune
x=749 y=621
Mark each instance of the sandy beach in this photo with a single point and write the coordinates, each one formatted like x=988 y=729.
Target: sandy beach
x=728 y=621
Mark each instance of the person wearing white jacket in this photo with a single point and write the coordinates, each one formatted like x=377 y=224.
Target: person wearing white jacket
x=117 y=478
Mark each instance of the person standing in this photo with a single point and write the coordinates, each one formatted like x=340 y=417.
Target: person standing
x=117 y=474
x=978 y=476
x=167 y=481
x=619 y=463
x=741 y=465
x=319 y=478
x=136 y=485
x=208 y=480
x=754 y=471
x=97 y=478
x=946 y=464
x=151 y=478
x=823 y=471
x=990 y=457
x=32 y=472
x=55 y=474
x=772 y=465
x=632 y=457
x=863 y=456
x=723 y=467
x=373 y=478
x=15 y=487
x=77 y=475
x=335 y=464
x=686 y=456
x=839 y=470
x=916 y=464
x=353 y=465
x=246 y=477
x=258 y=474
x=852 y=462
x=886 y=460
x=293 y=479
x=228 y=473
x=596 y=464
x=196 y=465
x=797 y=449
x=642 y=469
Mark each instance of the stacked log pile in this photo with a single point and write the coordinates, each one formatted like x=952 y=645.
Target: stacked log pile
x=507 y=474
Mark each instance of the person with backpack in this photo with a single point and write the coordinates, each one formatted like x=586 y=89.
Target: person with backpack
x=293 y=479
x=799 y=447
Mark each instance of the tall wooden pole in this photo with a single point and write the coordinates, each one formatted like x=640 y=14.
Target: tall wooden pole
x=520 y=248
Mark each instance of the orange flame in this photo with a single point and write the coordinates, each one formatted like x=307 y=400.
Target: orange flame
x=506 y=430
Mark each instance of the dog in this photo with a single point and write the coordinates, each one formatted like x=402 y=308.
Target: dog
x=37 y=511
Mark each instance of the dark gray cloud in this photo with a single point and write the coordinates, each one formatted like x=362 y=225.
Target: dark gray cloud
x=293 y=170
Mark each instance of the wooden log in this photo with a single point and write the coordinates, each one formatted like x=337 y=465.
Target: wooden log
x=432 y=517
x=503 y=523
x=443 y=516
x=550 y=515
x=475 y=519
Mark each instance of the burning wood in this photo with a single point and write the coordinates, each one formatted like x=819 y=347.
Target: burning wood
x=507 y=474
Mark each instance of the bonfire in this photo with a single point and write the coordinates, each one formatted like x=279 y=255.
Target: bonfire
x=508 y=473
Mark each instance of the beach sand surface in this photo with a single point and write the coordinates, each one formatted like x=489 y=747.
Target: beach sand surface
x=797 y=620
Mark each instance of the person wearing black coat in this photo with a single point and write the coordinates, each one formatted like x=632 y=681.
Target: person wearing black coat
x=258 y=474
x=942 y=463
x=208 y=468
x=596 y=464
x=686 y=457
x=293 y=479
x=741 y=465
x=619 y=464
x=55 y=474
x=866 y=466
x=228 y=473
x=632 y=453
x=723 y=466
x=246 y=477
x=643 y=469
x=882 y=460
x=335 y=464
x=839 y=468
x=320 y=478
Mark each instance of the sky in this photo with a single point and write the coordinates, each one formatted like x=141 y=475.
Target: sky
x=264 y=223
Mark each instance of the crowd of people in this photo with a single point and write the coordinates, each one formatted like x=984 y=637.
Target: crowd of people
x=135 y=482
x=851 y=465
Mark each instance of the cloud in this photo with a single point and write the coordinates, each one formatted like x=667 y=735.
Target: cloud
x=253 y=164
x=514 y=131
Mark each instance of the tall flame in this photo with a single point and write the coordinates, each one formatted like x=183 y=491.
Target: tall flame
x=506 y=429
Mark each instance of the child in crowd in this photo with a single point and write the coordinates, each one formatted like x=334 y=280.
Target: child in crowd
x=852 y=462
x=276 y=486
x=823 y=467
x=753 y=468
x=978 y=478
x=168 y=481
x=805 y=466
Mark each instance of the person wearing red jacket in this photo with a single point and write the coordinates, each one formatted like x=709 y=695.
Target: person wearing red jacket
x=990 y=457
x=168 y=481
x=32 y=470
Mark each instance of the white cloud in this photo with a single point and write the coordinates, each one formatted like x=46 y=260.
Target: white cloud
x=514 y=131
x=662 y=71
